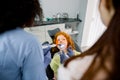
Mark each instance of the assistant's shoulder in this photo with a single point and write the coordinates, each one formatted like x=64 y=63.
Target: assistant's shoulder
x=77 y=67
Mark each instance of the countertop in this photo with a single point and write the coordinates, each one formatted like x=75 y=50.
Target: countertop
x=56 y=21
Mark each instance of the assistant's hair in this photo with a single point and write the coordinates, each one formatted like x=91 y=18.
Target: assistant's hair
x=67 y=36
x=107 y=49
x=18 y=13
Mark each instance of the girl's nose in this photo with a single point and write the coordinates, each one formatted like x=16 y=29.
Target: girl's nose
x=61 y=41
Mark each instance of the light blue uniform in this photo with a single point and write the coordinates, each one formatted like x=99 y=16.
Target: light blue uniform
x=21 y=56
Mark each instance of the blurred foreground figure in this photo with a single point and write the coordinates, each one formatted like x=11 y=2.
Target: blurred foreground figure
x=102 y=60
x=21 y=55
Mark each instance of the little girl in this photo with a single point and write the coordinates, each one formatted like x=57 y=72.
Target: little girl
x=66 y=48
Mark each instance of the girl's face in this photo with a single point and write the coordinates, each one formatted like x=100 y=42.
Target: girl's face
x=106 y=14
x=62 y=40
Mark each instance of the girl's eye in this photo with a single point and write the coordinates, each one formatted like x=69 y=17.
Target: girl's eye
x=63 y=39
x=58 y=40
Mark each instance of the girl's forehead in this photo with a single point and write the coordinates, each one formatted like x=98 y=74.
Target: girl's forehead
x=61 y=36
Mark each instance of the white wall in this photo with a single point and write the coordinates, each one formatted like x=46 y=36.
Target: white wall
x=52 y=7
x=82 y=14
x=93 y=27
